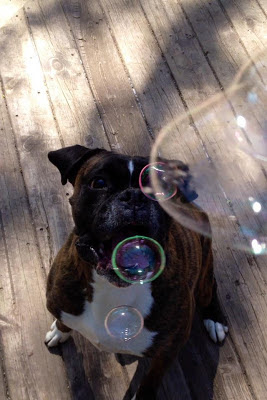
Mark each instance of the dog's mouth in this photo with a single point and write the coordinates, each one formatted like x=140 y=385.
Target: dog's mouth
x=105 y=250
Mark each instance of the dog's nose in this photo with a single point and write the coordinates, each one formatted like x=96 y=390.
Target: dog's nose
x=132 y=197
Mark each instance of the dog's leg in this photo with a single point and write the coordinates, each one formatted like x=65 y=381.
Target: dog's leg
x=207 y=298
x=214 y=320
x=58 y=333
x=159 y=366
x=168 y=350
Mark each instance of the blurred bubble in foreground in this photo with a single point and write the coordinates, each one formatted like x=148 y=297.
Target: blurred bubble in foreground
x=223 y=142
x=248 y=96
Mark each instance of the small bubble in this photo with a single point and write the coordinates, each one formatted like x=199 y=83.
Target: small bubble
x=162 y=174
x=124 y=323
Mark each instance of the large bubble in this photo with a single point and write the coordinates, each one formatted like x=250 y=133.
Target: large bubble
x=224 y=144
x=248 y=99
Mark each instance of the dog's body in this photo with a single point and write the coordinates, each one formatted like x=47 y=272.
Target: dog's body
x=109 y=206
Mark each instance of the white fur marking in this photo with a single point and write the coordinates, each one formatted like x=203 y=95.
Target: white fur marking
x=55 y=336
x=134 y=397
x=216 y=330
x=131 y=166
x=106 y=297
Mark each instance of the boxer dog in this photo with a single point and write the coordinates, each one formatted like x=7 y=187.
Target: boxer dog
x=108 y=206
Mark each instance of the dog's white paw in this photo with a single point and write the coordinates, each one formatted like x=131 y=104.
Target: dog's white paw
x=216 y=330
x=55 y=336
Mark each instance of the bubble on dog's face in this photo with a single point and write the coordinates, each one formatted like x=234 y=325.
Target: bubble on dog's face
x=109 y=206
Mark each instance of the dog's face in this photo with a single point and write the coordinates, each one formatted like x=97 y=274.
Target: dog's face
x=109 y=206
x=108 y=201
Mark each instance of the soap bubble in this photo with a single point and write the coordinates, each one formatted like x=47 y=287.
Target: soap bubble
x=138 y=259
x=223 y=143
x=168 y=188
x=248 y=97
x=124 y=322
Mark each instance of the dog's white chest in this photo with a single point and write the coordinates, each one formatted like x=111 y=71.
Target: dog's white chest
x=91 y=323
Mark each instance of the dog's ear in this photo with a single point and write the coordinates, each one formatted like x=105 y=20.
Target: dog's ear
x=70 y=159
x=187 y=189
x=185 y=183
x=182 y=178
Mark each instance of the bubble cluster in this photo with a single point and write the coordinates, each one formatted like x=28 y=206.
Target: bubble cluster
x=138 y=259
x=248 y=97
x=124 y=323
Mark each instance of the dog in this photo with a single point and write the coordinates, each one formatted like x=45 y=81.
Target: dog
x=108 y=206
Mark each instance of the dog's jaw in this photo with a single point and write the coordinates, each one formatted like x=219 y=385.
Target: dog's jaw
x=99 y=253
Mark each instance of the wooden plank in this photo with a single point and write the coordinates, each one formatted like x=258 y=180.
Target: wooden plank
x=220 y=39
x=36 y=133
x=71 y=99
x=30 y=372
x=250 y=22
x=111 y=86
x=128 y=23
x=3 y=387
x=9 y=8
x=107 y=378
x=230 y=382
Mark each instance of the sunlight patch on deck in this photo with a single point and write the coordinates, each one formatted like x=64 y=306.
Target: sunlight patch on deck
x=9 y=8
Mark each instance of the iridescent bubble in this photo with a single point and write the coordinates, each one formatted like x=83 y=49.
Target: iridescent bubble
x=168 y=189
x=224 y=144
x=124 y=322
x=138 y=259
x=248 y=98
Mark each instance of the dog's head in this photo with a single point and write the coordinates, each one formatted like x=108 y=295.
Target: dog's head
x=108 y=204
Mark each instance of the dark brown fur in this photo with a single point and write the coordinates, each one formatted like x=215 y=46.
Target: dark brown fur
x=186 y=281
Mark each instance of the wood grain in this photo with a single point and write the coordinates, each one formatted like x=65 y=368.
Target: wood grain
x=29 y=371
x=71 y=99
x=113 y=74
x=111 y=86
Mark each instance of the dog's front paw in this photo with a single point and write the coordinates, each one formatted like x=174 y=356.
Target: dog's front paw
x=216 y=330
x=55 y=336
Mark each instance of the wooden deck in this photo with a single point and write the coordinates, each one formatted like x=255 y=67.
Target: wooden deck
x=112 y=73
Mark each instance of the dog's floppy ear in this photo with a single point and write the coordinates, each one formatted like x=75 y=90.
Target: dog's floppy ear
x=182 y=178
x=70 y=159
x=185 y=183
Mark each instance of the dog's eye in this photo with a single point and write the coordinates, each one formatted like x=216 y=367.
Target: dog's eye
x=98 y=183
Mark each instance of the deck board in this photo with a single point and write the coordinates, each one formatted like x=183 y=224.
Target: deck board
x=110 y=84
x=71 y=99
x=112 y=74
x=24 y=317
